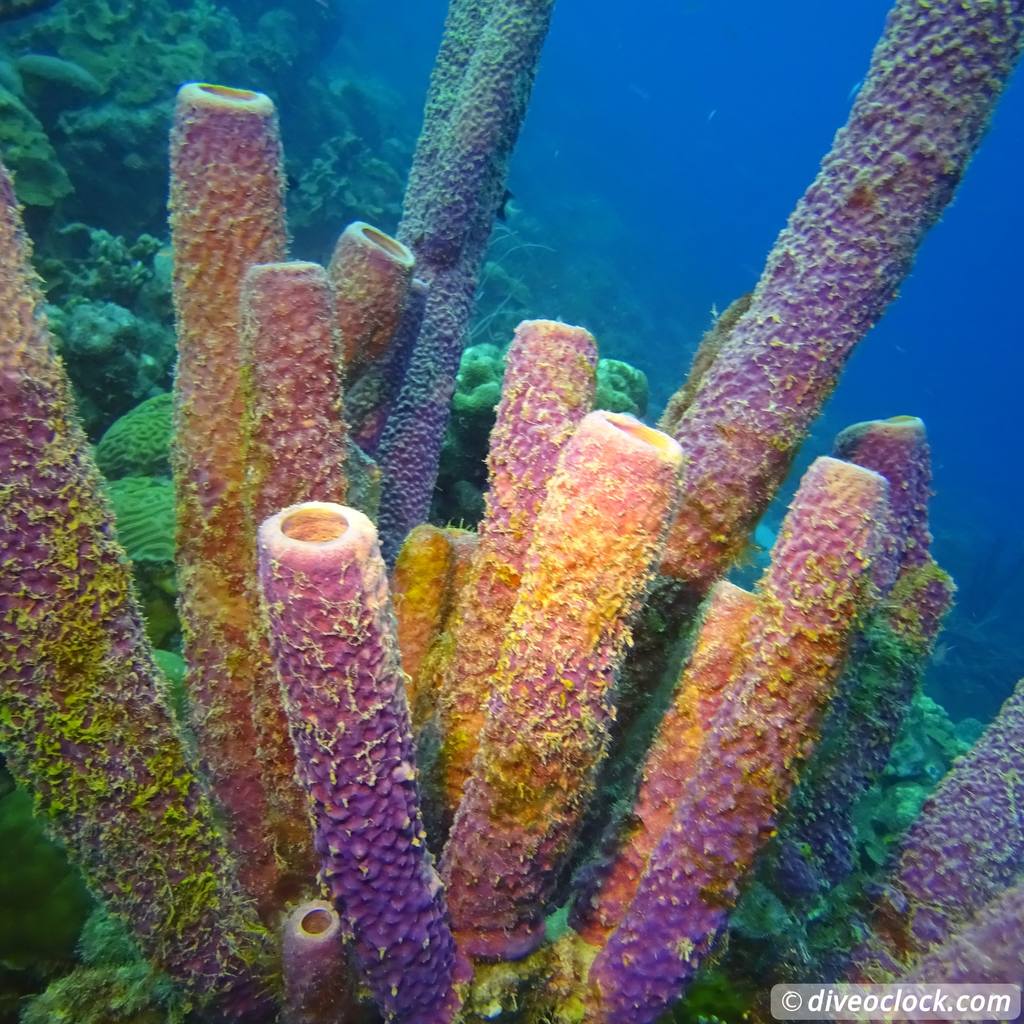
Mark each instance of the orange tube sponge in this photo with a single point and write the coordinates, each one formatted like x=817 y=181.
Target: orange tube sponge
x=420 y=588
x=819 y=584
x=227 y=213
x=426 y=686
x=595 y=545
x=547 y=390
x=83 y=723
x=370 y=273
x=719 y=656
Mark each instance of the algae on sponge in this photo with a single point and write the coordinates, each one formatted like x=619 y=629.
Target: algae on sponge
x=138 y=444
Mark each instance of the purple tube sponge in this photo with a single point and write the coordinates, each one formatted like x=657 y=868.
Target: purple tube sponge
x=989 y=948
x=325 y=592
x=964 y=848
x=809 y=603
x=475 y=106
x=898 y=449
x=924 y=106
x=317 y=981
x=83 y=722
x=885 y=668
x=369 y=400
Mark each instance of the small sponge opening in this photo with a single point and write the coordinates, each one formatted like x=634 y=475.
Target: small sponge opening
x=390 y=245
x=314 y=525
x=225 y=92
x=316 y=922
x=643 y=433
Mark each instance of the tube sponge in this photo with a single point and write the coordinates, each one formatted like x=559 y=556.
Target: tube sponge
x=83 y=723
x=934 y=79
x=965 y=846
x=816 y=843
x=475 y=106
x=809 y=603
x=370 y=273
x=317 y=983
x=898 y=449
x=296 y=440
x=595 y=545
x=227 y=213
x=547 y=389
x=369 y=399
x=716 y=663
x=324 y=587
x=431 y=569
x=990 y=948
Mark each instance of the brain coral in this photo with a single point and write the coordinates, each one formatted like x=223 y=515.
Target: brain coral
x=138 y=444
x=144 y=507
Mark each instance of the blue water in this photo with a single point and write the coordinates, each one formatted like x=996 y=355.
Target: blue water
x=671 y=140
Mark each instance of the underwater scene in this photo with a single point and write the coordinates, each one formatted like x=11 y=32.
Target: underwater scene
x=509 y=510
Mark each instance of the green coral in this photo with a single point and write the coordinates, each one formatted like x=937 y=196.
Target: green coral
x=39 y=177
x=621 y=388
x=52 y=84
x=114 y=984
x=462 y=475
x=139 y=442
x=145 y=515
x=144 y=509
x=478 y=384
x=44 y=900
x=173 y=667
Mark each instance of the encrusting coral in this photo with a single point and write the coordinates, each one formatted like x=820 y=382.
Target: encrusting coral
x=297 y=694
